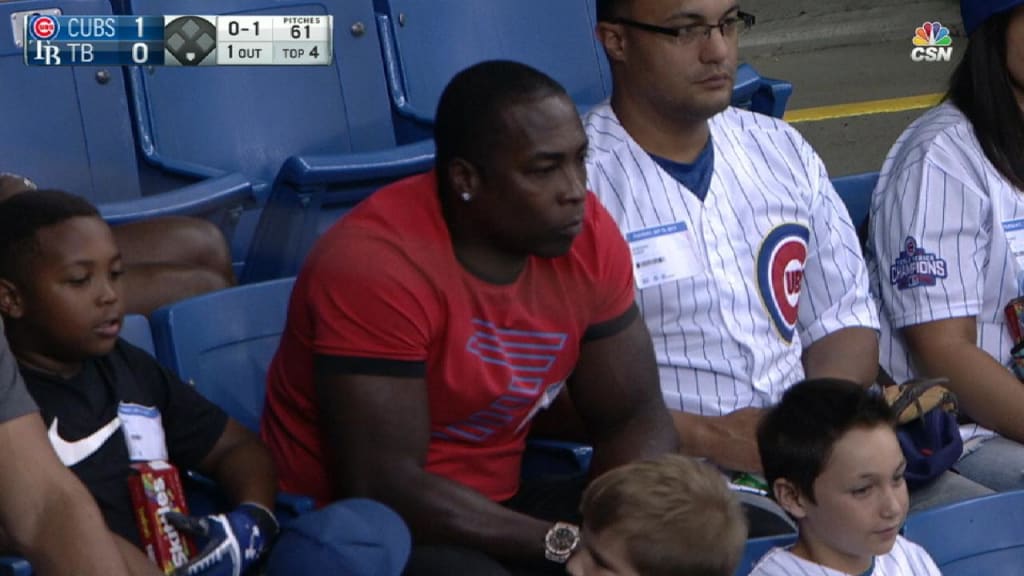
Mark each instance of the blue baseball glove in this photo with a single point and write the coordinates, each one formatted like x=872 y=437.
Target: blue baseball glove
x=228 y=543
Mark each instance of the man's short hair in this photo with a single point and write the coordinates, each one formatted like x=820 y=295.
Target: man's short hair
x=796 y=437
x=676 y=516
x=609 y=9
x=469 y=123
x=23 y=215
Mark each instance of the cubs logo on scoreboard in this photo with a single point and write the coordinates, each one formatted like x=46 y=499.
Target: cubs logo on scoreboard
x=44 y=27
x=780 y=274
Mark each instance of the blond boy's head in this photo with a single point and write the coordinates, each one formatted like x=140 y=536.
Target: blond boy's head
x=668 y=516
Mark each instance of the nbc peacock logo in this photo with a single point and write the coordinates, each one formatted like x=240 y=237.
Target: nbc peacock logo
x=932 y=43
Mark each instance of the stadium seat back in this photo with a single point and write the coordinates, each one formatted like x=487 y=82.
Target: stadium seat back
x=426 y=43
x=759 y=94
x=206 y=120
x=978 y=536
x=312 y=193
x=223 y=343
x=855 y=192
x=136 y=331
x=65 y=127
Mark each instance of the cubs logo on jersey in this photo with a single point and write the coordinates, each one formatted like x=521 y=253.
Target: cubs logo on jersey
x=780 y=275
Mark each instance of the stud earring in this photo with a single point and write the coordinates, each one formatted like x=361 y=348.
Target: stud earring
x=466 y=196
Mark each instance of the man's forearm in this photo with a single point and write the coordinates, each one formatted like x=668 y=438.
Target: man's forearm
x=70 y=532
x=695 y=435
x=987 y=392
x=246 y=474
x=440 y=511
x=850 y=354
x=648 y=434
x=729 y=441
x=48 y=515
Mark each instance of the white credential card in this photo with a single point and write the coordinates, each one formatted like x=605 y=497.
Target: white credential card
x=143 y=432
x=663 y=254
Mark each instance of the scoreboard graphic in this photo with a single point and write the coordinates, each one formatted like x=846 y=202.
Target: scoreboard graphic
x=184 y=40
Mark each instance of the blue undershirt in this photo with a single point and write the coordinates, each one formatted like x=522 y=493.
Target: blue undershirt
x=696 y=177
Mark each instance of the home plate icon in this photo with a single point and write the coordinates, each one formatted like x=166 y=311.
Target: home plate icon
x=189 y=41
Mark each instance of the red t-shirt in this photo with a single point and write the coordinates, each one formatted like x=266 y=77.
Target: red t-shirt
x=383 y=284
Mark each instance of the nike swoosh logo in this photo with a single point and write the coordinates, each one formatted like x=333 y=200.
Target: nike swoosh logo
x=71 y=453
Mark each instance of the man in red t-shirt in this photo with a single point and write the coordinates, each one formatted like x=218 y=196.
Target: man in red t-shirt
x=428 y=327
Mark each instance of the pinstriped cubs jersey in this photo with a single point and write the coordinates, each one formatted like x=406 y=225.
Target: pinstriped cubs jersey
x=772 y=260
x=905 y=559
x=943 y=225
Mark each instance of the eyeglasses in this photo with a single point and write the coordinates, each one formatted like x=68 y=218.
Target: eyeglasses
x=727 y=27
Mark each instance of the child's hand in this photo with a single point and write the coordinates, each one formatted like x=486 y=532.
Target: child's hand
x=231 y=542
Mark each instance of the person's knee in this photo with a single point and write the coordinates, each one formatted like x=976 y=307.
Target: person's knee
x=204 y=246
x=151 y=286
x=948 y=488
x=202 y=281
x=178 y=242
x=193 y=242
x=998 y=464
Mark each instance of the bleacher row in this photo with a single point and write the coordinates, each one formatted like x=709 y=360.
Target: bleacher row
x=274 y=155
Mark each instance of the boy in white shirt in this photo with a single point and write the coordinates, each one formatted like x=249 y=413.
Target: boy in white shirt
x=833 y=462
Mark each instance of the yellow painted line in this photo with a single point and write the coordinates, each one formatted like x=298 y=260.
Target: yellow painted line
x=863 y=108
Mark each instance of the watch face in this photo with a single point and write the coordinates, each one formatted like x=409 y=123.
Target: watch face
x=563 y=539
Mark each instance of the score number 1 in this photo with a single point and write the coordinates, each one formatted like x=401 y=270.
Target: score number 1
x=140 y=52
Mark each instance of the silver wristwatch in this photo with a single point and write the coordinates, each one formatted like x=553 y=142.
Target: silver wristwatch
x=561 y=541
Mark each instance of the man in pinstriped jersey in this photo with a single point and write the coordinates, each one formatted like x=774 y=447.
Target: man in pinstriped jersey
x=749 y=271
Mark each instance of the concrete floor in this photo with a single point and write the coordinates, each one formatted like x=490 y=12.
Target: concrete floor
x=859 y=51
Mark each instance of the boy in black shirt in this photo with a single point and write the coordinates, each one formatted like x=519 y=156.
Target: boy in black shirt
x=106 y=403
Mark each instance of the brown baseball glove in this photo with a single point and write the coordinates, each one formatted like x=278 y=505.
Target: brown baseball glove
x=916 y=397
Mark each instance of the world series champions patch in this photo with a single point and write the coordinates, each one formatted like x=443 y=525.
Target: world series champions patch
x=780 y=275
x=915 y=267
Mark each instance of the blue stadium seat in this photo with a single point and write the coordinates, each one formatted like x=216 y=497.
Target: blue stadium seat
x=70 y=128
x=555 y=37
x=545 y=457
x=222 y=343
x=979 y=536
x=764 y=95
x=14 y=566
x=758 y=547
x=855 y=192
x=135 y=330
x=311 y=193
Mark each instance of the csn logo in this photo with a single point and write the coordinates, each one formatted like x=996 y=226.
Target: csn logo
x=932 y=43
